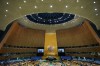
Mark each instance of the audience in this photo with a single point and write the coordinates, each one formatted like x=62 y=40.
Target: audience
x=50 y=63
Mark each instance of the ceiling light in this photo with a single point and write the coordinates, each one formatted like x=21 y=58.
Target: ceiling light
x=20 y=7
x=6 y=10
x=81 y=6
x=24 y=1
x=77 y=1
x=96 y=9
x=97 y=14
x=35 y=6
x=41 y=0
x=51 y=6
x=59 y=0
x=94 y=2
x=5 y=15
x=66 y=6
x=7 y=3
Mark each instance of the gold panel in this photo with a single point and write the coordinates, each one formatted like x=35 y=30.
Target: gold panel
x=50 y=48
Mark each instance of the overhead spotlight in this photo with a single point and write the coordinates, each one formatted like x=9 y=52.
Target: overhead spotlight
x=81 y=6
x=97 y=14
x=95 y=9
x=6 y=10
x=35 y=6
x=94 y=2
x=20 y=7
x=66 y=6
x=51 y=6
x=5 y=15
x=24 y=1
x=77 y=1
x=7 y=3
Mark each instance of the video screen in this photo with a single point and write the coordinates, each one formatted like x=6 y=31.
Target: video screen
x=40 y=50
x=61 y=50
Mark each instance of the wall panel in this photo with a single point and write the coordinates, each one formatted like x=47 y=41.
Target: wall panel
x=17 y=50
x=85 y=49
x=10 y=32
x=26 y=37
x=76 y=36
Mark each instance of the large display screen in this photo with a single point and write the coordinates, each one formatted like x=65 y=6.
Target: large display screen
x=61 y=50
x=40 y=50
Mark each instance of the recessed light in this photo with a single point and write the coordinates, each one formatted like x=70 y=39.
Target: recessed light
x=20 y=7
x=24 y=1
x=51 y=6
x=77 y=1
x=5 y=15
x=81 y=6
x=94 y=2
x=6 y=10
x=7 y=3
x=97 y=14
x=41 y=0
x=35 y=6
x=95 y=9
x=66 y=6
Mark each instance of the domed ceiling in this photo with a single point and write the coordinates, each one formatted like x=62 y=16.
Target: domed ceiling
x=65 y=13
